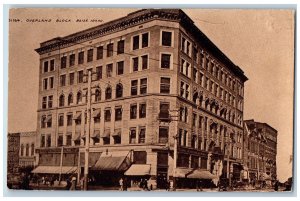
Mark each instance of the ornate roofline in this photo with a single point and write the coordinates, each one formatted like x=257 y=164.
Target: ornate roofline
x=136 y=18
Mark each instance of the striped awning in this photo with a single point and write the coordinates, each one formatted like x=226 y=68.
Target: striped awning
x=181 y=172
x=116 y=161
x=138 y=170
x=55 y=169
x=201 y=174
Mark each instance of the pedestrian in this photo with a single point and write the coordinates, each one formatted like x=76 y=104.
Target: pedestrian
x=82 y=183
x=73 y=184
x=121 y=183
x=276 y=185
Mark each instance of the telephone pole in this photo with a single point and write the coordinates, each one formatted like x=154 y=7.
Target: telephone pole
x=87 y=137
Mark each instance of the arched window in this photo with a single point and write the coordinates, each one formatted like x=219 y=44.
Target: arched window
x=108 y=93
x=27 y=149
x=61 y=100
x=119 y=90
x=79 y=97
x=22 y=149
x=195 y=97
x=97 y=95
x=70 y=99
x=32 y=149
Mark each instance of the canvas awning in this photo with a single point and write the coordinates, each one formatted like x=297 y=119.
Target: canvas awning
x=181 y=172
x=54 y=169
x=77 y=116
x=138 y=170
x=116 y=161
x=117 y=132
x=201 y=174
x=96 y=113
x=76 y=136
x=106 y=133
x=49 y=118
x=96 y=134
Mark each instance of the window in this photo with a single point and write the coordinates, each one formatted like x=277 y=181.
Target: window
x=165 y=61
x=90 y=54
x=61 y=120
x=120 y=68
x=43 y=140
x=145 y=40
x=99 y=52
x=80 y=57
x=143 y=86
x=32 y=149
x=49 y=121
x=52 y=65
x=50 y=100
x=136 y=41
x=135 y=64
x=69 y=119
x=51 y=82
x=165 y=85
x=72 y=60
x=109 y=70
x=80 y=76
x=22 y=150
x=27 y=149
x=184 y=90
x=45 y=84
x=144 y=62
x=63 y=80
x=183 y=42
x=46 y=65
x=110 y=49
x=97 y=95
x=164 y=111
x=70 y=99
x=166 y=38
x=142 y=135
x=186 y=46
x=61 y=100
x=132 y=136
x=163 y=135
x=195 y=54
x=185 y=68
x=117 y=139
x=63 y=62
x=194 y=162
x=119 y=90
x=79 y=97
x=106 y=140
x=133 y=111
x=118 y=114
x=107 y=115
x=60 y=140
x=142 y=111
x=183 y=114
x=97 y=118
x=99 y=72
x=108 y=92
x=195 y=75
x=44 y=102
x=139 y=157
x=194 y=119
x=121 y=45
x=134 y=85
x=48 y=141
x=71 y=78
x=43 y=122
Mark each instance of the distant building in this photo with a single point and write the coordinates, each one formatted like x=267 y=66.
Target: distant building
x=13 y=149
x=260 y=151
x=27 y=149
x=157 y=76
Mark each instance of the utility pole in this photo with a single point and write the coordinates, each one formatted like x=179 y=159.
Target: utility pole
x=87 y=137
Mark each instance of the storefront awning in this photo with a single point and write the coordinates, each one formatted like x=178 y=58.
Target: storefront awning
x=106 y=133
x=96 y=113
x=54 y=169
x=112 y=162
x=76 y=136
x=77 y=116
x=181 y=172
x=201 y=174
x=138 y=170
x=117 y=132
x=96 y=134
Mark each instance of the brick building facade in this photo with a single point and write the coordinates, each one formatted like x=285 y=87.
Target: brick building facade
x=157 y=76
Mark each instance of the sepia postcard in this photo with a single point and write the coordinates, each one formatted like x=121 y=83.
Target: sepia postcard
x=111 y=99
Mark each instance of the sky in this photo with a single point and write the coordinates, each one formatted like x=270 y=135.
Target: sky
x=260 y=42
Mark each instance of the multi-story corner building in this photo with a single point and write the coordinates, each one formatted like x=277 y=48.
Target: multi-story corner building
x=157 y=78
x=260 y=151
